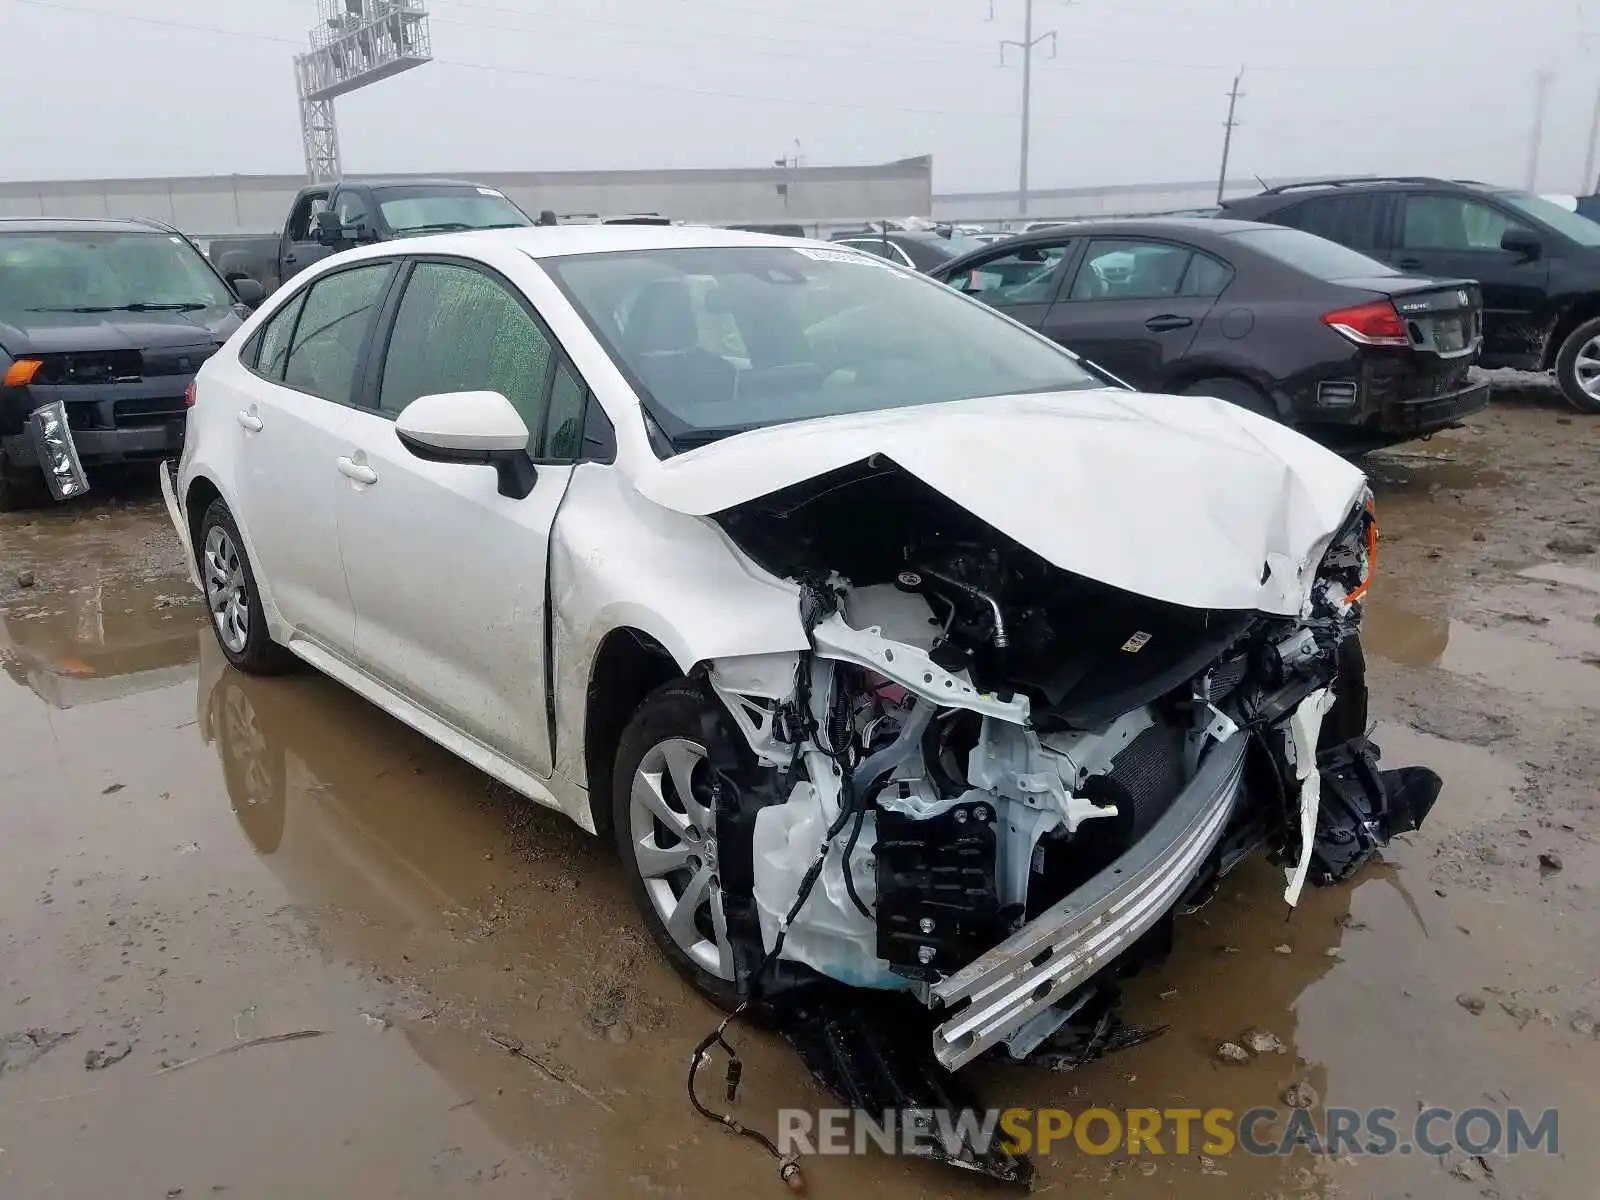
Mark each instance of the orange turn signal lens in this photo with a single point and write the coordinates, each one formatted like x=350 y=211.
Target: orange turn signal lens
x=21 y=372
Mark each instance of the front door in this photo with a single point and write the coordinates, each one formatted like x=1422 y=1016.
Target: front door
x=1135 y=305
x=299 y=247
x=448 y=577
x=1459 y=237
x=294 y=404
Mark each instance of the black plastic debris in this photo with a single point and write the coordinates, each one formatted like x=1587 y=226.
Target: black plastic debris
x=1361 y=807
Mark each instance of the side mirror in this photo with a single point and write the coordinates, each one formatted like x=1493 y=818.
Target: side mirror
x=1523 y=242
x=249 y=291
x=470 y=428
x=329 y=230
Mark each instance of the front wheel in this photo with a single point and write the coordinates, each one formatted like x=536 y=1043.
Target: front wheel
x=1578 y=367
x=667 y=838
x=234 y=599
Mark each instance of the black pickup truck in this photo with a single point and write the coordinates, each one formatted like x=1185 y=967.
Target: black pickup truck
x=328 y=217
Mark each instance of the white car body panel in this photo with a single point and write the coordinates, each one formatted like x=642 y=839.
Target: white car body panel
x=478 y=619
x=1111 y=477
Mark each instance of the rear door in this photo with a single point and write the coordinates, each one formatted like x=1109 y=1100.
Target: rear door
x=1022 y=282
x=300 y=377
x=1459 y=236
x=1134 y=305
x=448 y=577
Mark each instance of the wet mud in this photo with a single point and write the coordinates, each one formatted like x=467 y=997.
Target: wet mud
x=259 y=940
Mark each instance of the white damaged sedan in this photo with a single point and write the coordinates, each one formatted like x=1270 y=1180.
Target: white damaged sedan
x=900 y=652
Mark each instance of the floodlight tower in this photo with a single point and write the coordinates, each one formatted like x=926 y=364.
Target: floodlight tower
x=354 y=43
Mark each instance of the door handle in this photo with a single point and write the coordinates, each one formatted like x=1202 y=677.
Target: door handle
x=360 y=472
x=250 y=421
x=1167 y=322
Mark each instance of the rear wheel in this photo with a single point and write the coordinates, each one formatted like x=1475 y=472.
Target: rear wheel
x=1578 y=367
x=233 y=598
x=667 y=838
x=1235 y=391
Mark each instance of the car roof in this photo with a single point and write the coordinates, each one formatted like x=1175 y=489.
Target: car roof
x=400 y=181
x=1134 y=226
x=557 y=241
x=1326 y=187
x=80 y=224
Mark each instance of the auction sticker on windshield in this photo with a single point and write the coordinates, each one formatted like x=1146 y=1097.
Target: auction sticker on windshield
x=843 y=256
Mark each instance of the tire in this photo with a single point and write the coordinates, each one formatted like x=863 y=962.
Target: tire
x=21 y=492
x=1578 y=360
x=1235 y=391
x=665 y=739
x=233 y=599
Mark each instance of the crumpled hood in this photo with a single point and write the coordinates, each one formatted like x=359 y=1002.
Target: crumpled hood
x=1184 y=499
x=77 y=333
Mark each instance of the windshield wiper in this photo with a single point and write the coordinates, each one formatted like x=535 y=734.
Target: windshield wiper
x=178 y=306
x=437 y=227
x=692 y=439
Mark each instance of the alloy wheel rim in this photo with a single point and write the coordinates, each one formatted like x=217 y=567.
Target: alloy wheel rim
x=1586 y=367
x=674 y=845
x=227 y=593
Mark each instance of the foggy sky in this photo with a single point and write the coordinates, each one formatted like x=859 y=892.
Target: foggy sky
x=1135 y=93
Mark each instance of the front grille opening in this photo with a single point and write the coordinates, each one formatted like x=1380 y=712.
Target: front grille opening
x=106 y=366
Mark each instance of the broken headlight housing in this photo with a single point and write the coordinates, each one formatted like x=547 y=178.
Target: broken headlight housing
x=1350 y=562
x=57 y=453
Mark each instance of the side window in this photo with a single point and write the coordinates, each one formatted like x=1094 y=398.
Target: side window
x=1453 y=223
x=882 y=249
x=458 y=330
x=1354 y=221
x=300 y=219
x=1205 y=276
x=271 y=344
x=334 y=322
x=351 y=209
x=1125 y=269
x=563 y=435
x=1026 y=276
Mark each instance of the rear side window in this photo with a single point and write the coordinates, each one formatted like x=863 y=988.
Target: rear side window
x=458 y=330
x=1205 y=277
x=1127 y=269
x=1316 y=256
x=1356 y=221
x=334 y=321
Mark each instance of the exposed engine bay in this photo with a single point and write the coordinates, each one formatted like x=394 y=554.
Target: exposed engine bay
x=991 y=783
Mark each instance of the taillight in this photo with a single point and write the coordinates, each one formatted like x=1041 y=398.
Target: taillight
x=1375 y=324
x=21 y=372
x=188 y=395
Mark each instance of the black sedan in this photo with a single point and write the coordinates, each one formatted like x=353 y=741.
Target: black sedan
x=1275 y=320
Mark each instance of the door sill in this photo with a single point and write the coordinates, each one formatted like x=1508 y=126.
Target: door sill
x=463 y=746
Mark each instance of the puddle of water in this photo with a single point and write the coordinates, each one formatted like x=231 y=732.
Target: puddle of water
x=1479 y=784
x=1554 y=661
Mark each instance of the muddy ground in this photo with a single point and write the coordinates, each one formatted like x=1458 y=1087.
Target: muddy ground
x=195 y=865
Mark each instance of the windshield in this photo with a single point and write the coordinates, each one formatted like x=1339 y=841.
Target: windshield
x=1316 y=256
x=98 y=271
x=414 y=210
x=1580 y=229
x=721 y=340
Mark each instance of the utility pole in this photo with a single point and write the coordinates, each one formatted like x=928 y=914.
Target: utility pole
x=1541 y=83
x=1590 y=184
x=1227 y=133
x=1026 y=45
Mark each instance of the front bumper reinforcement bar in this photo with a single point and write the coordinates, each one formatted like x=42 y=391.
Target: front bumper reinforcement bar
x=1068 y=943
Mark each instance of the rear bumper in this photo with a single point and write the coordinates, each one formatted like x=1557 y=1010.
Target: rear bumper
x=1433 y=412
x=1066 y=945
